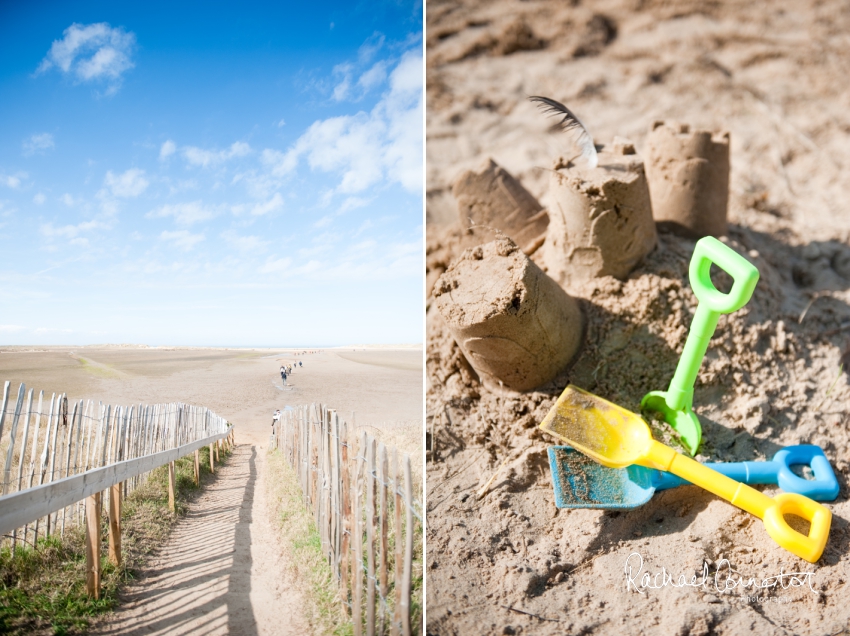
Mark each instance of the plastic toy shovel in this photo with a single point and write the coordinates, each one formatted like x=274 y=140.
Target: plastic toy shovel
x=617 y=438
x=580 y=482
x=676 y=402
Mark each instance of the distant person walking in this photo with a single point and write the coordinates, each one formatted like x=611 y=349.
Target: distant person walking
x=283 y=375
x=276 y=417
x=299 y=364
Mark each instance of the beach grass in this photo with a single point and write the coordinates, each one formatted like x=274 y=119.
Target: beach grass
x=300 y=537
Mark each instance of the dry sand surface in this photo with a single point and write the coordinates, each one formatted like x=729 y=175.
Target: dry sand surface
x=774 y=76
x=221 y=570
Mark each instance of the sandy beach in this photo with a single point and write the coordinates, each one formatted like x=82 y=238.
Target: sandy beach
x=222 y=570
x=771 y=76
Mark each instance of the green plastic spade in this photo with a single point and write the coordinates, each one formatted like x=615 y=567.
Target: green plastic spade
x=676 y=403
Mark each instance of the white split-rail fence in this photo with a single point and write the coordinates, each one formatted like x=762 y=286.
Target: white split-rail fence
x=59 y=460
x=361 y=496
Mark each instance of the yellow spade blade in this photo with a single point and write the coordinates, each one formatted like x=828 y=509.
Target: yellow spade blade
x=603 y=431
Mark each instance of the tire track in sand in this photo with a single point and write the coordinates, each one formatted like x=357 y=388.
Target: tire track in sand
x=220 y=571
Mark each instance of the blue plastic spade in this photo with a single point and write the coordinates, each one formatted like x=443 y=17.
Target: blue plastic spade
x=580 y=482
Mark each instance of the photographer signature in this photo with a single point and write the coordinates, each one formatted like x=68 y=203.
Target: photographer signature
x=725 y=578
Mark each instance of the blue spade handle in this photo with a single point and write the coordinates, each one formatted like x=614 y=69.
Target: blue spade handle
x=824 y=486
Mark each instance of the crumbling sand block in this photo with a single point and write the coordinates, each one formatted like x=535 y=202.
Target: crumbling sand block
x=601 y=222
x=492 y=196
x=688 y=174
x=514 y=324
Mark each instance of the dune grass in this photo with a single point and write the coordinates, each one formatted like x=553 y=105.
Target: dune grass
x=301 y=540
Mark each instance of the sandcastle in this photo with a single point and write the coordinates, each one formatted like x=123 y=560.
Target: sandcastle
x=688 y=172
x=491 y=196
x=601 y=221
x=514 y=324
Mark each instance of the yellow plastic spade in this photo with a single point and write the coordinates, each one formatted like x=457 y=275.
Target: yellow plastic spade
x=617 y=438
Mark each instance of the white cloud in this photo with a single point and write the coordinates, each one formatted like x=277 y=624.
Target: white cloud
x=168 y=148
x=183 y=213
x=274 y=204
x=37 y=143
x=182 y=239
x=201 y=157
x=69 y=231
x=11 y=328
x=128 y=184
x=366 y=148
x=259 y=209
x=346 y=88
x=39 y=198
x=374 y=76
x=67 y=199
x=281 y=123
x=370 y=47
x=403 y=109
x=352 y=203
x=277 y=265
x=343 y=88
x=92 y=52
x=12 y=180
x=245 y=243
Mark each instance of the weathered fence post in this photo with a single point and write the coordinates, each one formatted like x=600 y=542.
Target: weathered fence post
x=93 y=545
x=212 y=461
x=399 y=558
x=370 y=539
x=384 y=519
x=115 y=524
x=357 y=567
x=346 y=516
x=171 y=504
x=408 y=548
x=197 y=467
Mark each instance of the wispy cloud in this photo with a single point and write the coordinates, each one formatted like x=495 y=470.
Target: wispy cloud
x=127 y=184
x=205 y=158
x=12 y=180
x=11 y=328
x=261 y=208
x=373 y=77
x=346 y=87
x=367 y=148
x=92 y=52
x=247 y=244
x=183 y=213
x=168 y=148
x=37 y=144
x=39 y=199
x=272 y=205
x=68 y=200
x=182 y=239
x=275 y=265
x=70 y=231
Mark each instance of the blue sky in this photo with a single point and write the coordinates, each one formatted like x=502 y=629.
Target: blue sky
x=211 y=174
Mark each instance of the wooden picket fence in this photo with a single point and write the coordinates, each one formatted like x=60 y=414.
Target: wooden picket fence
x=361 y=497
x=87 y=450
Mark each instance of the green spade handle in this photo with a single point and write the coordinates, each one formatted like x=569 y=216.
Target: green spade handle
x=712 y=303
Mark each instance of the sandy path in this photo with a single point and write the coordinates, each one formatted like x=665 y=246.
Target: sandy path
x=222 y=570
